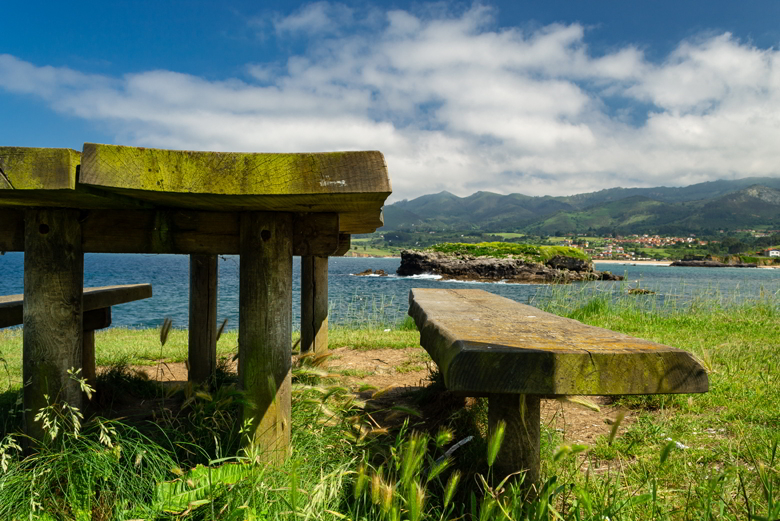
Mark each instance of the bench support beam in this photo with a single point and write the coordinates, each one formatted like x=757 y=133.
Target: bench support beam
x=314 y=304
x=52 y=337
x=520 y=450
x=202 y=354
x=265 y=329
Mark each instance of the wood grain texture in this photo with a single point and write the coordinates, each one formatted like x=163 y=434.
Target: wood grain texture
x=233 y=173
x=265 y=329
x=176 y=231
x=521 y=413
x=484 y=343
x=52 y=337
x=93 y=299
x=314 y=304
x=202 y=346
x=38 y=168
x=354 y=183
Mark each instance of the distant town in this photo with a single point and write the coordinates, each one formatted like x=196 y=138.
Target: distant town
x=747 y=244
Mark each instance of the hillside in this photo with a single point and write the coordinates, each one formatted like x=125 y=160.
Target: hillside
x=743 y=203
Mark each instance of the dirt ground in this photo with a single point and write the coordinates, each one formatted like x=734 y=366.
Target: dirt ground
x=402 y=371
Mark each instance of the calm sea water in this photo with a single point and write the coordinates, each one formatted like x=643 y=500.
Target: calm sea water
x=378 y=301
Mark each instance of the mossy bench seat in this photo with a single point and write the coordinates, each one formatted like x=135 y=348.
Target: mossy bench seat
x=487 y=345
x=96 y=306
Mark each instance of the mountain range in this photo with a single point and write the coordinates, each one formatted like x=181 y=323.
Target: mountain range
x=700 y=208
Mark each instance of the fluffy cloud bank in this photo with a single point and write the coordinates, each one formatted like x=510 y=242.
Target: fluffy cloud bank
x=456 y=104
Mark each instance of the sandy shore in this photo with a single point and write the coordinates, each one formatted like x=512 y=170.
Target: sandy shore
x=637 y=263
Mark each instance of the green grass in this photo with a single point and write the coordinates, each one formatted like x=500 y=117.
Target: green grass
x=364 y=246
x=349 y=461
x=142 y=346
x=731 y=433
x=526 y=252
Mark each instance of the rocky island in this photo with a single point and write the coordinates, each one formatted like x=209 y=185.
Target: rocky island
x=499 y=261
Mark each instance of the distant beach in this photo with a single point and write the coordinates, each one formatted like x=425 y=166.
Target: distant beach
x=632 y=262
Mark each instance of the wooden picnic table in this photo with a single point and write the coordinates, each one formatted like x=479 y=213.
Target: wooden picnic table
x=57 y=204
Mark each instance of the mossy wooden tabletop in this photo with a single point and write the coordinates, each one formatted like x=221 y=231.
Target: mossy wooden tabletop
x=352 y=184
x=484 y=344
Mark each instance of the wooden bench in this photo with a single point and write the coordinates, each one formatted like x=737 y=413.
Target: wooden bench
x=96 y=308
x=487 y=345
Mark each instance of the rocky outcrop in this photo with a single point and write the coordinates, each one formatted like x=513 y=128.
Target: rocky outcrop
x=366 y=273
x=489 y=269
x=711 y=264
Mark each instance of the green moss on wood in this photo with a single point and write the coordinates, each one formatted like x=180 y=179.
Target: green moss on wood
x=38 y=168
x=500 y=250
x=232 y=173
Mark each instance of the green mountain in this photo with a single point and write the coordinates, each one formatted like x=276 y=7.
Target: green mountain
x=742 y=203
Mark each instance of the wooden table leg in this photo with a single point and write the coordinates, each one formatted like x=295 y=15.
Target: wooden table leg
x=202 y=354
x=53 y=285
x=521 y=446
x=314 y=304
x=265 y=329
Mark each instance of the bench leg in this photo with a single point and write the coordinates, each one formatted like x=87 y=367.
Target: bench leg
x=94 y=319
x=314 y=304
x=88 y=357
x=520 y=449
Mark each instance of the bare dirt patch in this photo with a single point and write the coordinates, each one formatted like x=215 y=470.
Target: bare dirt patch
x=402 y=371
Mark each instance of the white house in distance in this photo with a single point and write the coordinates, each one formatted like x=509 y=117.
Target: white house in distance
x=772 y=253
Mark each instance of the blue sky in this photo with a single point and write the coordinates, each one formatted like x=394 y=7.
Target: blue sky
x=541 y=98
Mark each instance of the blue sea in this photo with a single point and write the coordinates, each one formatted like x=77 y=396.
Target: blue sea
x=376 y=301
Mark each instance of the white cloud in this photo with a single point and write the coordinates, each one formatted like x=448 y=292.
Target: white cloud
x=457 y=104
x=318 y=18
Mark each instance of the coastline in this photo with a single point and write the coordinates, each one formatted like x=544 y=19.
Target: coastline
x=658 y=263
x=637 y=263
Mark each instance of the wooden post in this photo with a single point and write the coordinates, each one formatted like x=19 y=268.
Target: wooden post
x=91 y=320
x=520 y=449
x=88 y=370
x=53 y=285
x=202 y=355
x=265 y=329
x=314 y=304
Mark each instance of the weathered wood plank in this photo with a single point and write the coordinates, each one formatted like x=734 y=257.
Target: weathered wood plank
x=233 y=173
x=38 y=168
x=202 y=346
x=354 y=183
x=265 y=329
x=484 y=343
x=177 y=231
x=314 y=304
x=93 y=299
x=52 y=338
